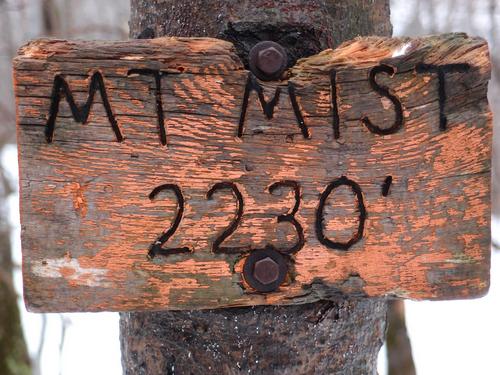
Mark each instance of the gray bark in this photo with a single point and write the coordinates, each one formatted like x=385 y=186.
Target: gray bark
x=329 y=337
x=341 y=337
x=305 y=27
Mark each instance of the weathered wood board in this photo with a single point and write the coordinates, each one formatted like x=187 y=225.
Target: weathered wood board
x=369 y=172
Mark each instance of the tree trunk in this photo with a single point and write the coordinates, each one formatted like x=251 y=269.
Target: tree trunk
x=328 y=337
x=399 y=356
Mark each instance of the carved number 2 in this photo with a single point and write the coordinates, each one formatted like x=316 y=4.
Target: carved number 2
x=156 y=247
x=216 y=247
x=290 y=217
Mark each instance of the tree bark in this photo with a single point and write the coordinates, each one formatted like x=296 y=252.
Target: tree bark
x=304 y=27
x=342 y=336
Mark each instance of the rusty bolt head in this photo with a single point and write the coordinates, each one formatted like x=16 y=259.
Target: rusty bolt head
x=268 y=60
x=266 y=270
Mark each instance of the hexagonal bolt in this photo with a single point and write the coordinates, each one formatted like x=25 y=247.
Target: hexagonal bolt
x=268 y=60
x=266 y=271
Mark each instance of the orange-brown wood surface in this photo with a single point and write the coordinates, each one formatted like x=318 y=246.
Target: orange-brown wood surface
x=88 y=220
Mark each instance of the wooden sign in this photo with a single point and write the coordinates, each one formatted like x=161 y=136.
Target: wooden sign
x=160 y=174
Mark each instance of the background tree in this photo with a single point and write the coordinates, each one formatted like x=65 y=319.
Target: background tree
x=14 y=359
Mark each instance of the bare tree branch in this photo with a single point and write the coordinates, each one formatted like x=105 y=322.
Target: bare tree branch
x=415 y=27
x=37 y=361
x=399 y=356
x=471 y=12
x=432 y=16
x=51 y=18
x=493 y=20
x=65 y=322
x=17 y=6
x=450 y=16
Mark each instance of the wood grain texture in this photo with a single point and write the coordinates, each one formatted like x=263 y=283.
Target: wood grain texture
x=87 y=220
